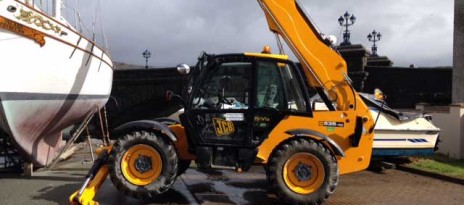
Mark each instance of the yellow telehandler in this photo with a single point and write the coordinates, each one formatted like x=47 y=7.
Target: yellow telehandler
x=250 y=109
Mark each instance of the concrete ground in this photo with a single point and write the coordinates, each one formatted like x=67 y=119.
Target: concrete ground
x=227 y=187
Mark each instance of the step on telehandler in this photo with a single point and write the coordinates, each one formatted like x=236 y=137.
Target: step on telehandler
x=250 y=109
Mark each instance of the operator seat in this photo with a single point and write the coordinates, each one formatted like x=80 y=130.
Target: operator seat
x=270 y=96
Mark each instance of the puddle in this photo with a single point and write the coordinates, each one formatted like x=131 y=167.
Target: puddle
x=202 y=188
x=261 y=197
x=206 y=192
x=219 y=178
x=214 y=175
x=255 y=184
x=224 y=186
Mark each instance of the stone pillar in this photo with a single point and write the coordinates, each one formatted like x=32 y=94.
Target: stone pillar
x=458 y=53
x=356 y=59
x=458 y=66
x=451 y=123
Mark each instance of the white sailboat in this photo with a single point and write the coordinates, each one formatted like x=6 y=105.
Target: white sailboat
x=51 y=77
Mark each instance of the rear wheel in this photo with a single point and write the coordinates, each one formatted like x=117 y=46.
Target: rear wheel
x=143 y=164
x=303 y=172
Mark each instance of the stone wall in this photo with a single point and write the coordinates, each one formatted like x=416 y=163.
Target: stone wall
x=458 y=52
x=450 y=120
x=405 y=87
x=140 y=94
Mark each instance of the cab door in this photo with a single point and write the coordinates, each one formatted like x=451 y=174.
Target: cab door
x=279 y=92
x=219 y=109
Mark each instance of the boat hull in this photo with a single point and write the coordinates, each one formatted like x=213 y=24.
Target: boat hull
x=416 y=137
x=47 y=86
x=404 y=143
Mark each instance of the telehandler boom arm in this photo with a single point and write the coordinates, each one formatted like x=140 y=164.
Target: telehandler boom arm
x=324 y=67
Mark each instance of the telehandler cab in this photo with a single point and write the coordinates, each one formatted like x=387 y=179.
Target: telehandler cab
x=250 y=109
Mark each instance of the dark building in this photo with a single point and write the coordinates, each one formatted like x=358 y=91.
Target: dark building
x=403 y=86
x=139 y=93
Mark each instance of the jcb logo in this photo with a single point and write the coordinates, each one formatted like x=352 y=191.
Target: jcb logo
x=223 y=127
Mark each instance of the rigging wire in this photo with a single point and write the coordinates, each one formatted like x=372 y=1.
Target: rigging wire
x=105 y=39
x=65 y=2
x=79 y=23
x=93 y=14
x=279 y=44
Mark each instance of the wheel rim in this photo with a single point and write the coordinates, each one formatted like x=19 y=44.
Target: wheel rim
x=303 y=173
x=141 y=164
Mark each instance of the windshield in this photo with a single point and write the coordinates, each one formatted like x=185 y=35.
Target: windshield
x=224 y=85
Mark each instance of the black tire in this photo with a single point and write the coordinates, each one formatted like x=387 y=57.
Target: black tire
x=167 y=154
x=303 y=147
x=183 y=166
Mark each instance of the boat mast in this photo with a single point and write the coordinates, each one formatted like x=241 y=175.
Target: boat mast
x=57 y=9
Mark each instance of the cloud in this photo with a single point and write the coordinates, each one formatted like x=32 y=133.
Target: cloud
x=176 y=31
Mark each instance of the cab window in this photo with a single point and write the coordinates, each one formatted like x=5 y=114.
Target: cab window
x=293 y=88
x=278 y=87
x=225 y=87
x=269 y=86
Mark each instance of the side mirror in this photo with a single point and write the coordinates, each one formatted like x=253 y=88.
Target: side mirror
x=183 y=69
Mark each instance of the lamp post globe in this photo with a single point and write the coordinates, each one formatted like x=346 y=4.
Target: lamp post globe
x=346 y=20
x=374 y=37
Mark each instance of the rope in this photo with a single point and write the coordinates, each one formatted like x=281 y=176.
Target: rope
x=73 y=138
x=102 y=129
x=106 y=126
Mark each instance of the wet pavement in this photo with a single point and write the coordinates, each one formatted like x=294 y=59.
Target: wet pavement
x=229 y=187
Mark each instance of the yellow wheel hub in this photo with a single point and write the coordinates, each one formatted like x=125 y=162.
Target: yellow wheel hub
x=303 y=173
x=141 y=164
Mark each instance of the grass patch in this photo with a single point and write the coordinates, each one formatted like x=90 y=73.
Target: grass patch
x=440 y=164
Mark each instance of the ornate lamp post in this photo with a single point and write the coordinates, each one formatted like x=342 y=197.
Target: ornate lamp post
x=146 y=54
x=346 y=20
x=374 y=37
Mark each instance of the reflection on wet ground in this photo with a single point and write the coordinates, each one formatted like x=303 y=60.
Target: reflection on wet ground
x=229 y=187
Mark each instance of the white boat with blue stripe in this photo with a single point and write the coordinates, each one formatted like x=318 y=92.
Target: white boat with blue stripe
x=399 y=133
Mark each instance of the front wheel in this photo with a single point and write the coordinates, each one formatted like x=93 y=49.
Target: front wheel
x=143 y=164
x=303 y=171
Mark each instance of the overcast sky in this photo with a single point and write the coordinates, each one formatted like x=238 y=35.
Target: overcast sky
x=416 y=32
